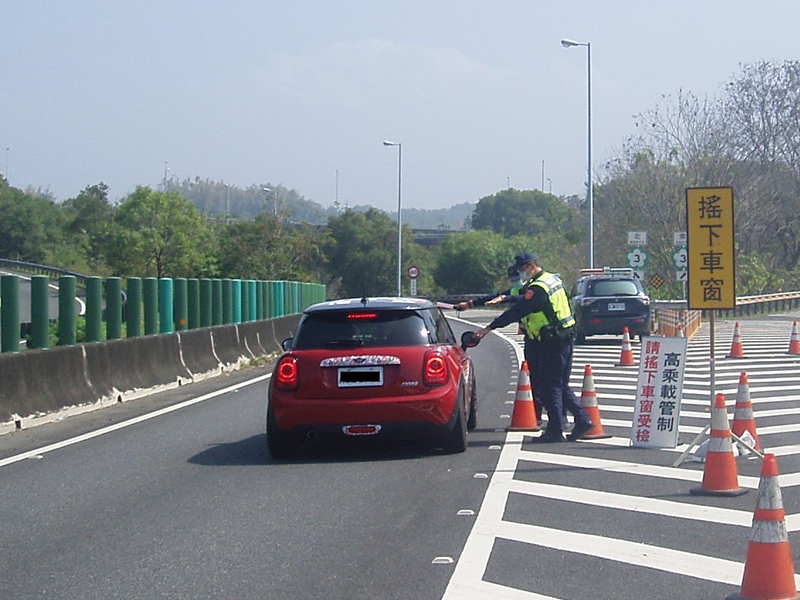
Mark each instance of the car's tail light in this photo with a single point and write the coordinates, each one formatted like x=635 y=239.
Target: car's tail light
x=287 y=373
x=435 y=368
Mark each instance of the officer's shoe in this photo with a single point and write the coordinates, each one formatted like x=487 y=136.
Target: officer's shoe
x=549 y=438
x=580 y=430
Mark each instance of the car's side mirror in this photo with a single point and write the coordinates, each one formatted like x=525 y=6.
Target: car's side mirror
x=287 y=344
x=469 y=340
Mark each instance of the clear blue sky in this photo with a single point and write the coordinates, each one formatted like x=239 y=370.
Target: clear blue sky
x=290 y=92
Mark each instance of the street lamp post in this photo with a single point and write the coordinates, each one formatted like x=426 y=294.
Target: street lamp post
x=399 y=215
x=589 y=194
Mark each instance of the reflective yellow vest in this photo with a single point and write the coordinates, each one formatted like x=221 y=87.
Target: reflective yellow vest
x=559 y=300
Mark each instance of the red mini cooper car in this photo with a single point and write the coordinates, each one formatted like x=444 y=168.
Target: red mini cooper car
x=387 y=367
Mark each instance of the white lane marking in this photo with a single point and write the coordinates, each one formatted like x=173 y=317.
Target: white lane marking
x=128 y=423
x=634 y=553
x=630 y=468
x=467 y=579
x=654 y=506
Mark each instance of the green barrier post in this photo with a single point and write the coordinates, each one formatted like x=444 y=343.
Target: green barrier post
x=150 y=293
x=216 y=301
x=181 y=304
x=113 y=308
x=279 y=299
x=245 y=302
x=237 y=301
x=260 y=307
x=9 y=317
x=252 y=294
x=227 y=301
x=67 y=314
x=166 y=311
x=133 y=307
x=193 y=303
x=270 y=295
x=40 y=312
x=94 y=309
x=206 y=303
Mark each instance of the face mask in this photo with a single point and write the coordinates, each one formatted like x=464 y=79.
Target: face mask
x=523 y=277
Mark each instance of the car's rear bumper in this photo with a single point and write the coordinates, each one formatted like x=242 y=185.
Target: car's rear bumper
x=635 y=325
x=419 y=415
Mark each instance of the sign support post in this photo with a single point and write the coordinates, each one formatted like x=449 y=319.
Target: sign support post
x=711 y=268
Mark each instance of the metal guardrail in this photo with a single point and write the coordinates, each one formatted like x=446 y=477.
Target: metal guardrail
x=42 y=270
x=745 y=305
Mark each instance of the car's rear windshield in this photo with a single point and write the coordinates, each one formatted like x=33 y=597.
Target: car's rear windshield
x=363 y=329
x=613 y=287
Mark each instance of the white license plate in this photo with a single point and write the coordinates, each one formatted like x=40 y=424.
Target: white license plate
x=614 y=306
x=360 y=376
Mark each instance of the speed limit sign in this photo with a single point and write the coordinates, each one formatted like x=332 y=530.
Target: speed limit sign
x=413 y=272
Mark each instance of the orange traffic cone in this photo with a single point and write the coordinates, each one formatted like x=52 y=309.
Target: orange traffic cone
x=524 y=416
x=743 y=417
x=589 y=404
x=768 y=568
x=626 y=357
x=794 y=344
x=720 y=477
x=736 y=345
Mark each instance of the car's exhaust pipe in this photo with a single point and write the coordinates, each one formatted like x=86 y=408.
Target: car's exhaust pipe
x=312 y=434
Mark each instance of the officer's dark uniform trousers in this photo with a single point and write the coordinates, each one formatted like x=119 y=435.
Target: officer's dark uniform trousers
x=551 y=383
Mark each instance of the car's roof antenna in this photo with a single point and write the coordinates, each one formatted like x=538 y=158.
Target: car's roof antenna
x=364 y=300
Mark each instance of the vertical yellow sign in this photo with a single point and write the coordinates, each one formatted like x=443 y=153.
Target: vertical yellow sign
x=709 y=232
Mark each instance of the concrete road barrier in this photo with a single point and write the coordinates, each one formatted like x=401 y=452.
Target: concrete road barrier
x=41 y=381
x=282 y=328
x=124 y=367
x=250 y=335
x=197 y=348
x=227 y=346
x=37 y=385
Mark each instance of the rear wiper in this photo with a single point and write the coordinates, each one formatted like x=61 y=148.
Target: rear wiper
x=348 y=342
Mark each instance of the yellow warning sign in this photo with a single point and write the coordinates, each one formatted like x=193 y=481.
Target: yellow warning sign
x=710 y=245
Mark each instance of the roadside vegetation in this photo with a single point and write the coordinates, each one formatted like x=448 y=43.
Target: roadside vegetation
x=747 y=137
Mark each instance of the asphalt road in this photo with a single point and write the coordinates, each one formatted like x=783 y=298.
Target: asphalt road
x=600 y=519
x=189 y=505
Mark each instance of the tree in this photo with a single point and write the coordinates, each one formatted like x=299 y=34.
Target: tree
x=474 y=262
x=31 y=226
x=361 y=252
x=89 y=223
x=524 y=212
x=749 y=139
x=762 y=109
x=161 y=234
x=266 y=248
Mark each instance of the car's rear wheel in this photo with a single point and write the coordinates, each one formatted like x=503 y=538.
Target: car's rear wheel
x=280 y=444
x=456 y=439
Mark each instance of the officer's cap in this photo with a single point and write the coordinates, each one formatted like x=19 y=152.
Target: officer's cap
x=513 y=273
x=523 y=259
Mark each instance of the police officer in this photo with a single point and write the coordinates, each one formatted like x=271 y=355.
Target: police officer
x=511 y=295
x=544 y=303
